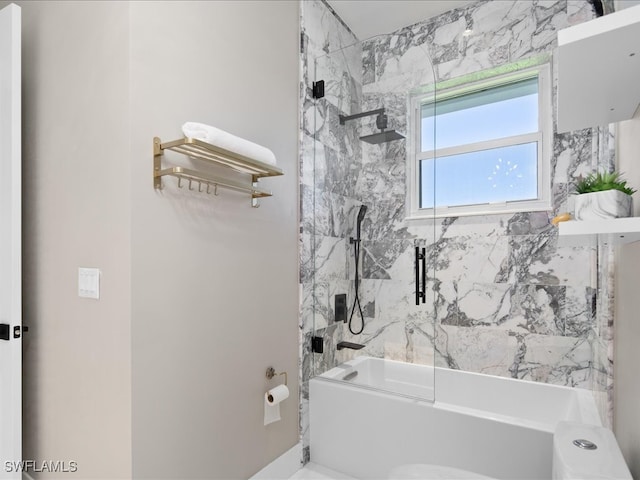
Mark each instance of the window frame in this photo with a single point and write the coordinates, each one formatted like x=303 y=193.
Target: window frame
x=543 y=137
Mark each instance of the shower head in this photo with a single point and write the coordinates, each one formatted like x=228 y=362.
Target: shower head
x=382 y=137
x=381 y=122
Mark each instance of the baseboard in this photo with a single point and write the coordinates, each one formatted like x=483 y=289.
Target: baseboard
x=282 y=467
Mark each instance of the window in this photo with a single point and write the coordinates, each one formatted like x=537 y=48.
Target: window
x=483 y=148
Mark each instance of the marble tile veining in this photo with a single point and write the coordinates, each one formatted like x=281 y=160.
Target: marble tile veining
x=503 y=298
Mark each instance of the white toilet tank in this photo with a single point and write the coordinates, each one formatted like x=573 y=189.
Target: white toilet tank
x=587 y=452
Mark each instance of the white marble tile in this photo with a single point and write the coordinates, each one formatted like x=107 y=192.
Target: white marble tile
x=482 y=350
x=305 y=252
x=330 y=258
x=471 y=258
x=579 y=316
x=411 y=69
x=314 y=163
x=326 y=33
x=394 y=300
x=483 y=304
x=539 y=308
x=554 y=359
x=450 y=32
x=462 y=66
x=307 y=307
x=537 y=259
x=304 y=422
x=578 y=11
x=504 y=298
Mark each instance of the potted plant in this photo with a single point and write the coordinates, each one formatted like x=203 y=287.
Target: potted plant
x=602 y=195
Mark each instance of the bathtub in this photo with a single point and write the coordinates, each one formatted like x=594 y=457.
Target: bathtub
x=499 y=427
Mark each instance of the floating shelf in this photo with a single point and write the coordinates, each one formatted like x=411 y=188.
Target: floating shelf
x=615 y=231
x=598 y=70
x=200 y=150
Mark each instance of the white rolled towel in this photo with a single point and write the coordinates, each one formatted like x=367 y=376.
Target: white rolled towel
x=226 y=140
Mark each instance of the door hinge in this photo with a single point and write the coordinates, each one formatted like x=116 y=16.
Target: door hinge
x=18 y=330
x=317 y=344
x=318 y=89
x=5 y=331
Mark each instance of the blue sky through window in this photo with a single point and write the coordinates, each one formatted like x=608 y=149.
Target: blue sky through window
x=487 y=122
x=486 y=176
x=471 y=173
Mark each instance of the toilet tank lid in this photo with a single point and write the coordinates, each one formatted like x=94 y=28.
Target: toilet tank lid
x=606 y=461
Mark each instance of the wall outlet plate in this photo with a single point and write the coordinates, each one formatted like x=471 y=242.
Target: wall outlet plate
x=89 y=283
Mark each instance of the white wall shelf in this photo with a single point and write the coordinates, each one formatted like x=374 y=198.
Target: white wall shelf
x=615 y=231
x=598 y=70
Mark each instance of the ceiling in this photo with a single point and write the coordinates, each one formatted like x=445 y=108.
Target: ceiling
x=367 y=18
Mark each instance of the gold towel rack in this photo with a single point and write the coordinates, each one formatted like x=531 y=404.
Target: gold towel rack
x=209 y=183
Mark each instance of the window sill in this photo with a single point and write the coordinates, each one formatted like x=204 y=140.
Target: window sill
x=477 y=211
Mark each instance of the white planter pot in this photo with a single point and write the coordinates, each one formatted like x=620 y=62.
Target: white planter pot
x=601 y=205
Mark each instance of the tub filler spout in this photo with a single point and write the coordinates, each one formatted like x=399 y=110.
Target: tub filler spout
x=352 y=346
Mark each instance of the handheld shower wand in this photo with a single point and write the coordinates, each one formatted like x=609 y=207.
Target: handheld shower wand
x=356 y=250
x=361 y=213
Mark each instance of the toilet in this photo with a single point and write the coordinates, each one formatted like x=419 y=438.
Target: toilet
x=587 y=452
x=580 y=452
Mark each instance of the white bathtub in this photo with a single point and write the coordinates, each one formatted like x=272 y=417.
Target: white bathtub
x=494 y=426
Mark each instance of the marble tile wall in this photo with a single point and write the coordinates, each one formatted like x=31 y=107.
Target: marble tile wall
x=329 y=160
x=504 y=297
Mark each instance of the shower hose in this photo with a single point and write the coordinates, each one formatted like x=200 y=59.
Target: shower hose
x=356 y=299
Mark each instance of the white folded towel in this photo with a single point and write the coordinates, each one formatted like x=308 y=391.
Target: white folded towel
x=230 y=142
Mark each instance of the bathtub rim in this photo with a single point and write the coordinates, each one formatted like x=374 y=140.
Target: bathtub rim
x=585 y=400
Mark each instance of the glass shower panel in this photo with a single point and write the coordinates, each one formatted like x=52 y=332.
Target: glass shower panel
x=355 y=209
x=328 y=200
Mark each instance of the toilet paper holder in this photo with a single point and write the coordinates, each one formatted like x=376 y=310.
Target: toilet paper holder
x=271 y=372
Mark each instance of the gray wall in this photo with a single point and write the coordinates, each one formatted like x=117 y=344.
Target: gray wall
x=164 y=375
x=214 y=282
x=627 y=325
x=77 y=355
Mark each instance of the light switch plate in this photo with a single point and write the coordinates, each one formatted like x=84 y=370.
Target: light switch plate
x=89 y=283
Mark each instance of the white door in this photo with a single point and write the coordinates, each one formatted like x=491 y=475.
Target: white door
x=10 y=246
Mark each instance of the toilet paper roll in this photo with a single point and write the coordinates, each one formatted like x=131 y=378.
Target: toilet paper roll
x=272 y=400
x=276 y=395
